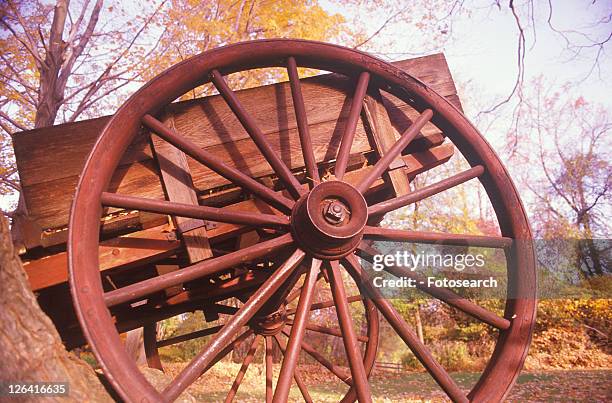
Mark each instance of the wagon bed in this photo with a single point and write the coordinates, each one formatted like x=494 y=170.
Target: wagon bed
x=50 y=159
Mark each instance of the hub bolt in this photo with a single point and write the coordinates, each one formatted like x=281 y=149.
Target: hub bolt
x=335 y=212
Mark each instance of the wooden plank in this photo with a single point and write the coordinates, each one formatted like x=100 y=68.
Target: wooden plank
x=50 y=159
x=384 y=137
x=433 y=70
x=49 y=203
x=25 y=232
x=132 y=249
x=178 y=185
x=111 y=226
x=417 y=163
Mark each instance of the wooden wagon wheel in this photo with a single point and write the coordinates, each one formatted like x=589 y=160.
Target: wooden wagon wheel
x=326 y=221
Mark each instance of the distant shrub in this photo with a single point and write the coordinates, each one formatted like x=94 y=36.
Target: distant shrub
x=453 y=356
x=410 y=362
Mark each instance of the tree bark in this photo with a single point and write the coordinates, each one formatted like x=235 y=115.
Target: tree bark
x=49 y=92
x=59 y=61
x=30 y=347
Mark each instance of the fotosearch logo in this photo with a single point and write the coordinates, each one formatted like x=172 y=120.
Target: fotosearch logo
x=413 y=261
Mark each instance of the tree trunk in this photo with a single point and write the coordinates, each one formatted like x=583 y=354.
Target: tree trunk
x=50 y=92
x=30 y=347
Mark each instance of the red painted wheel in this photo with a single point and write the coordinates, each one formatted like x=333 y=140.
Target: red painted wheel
x=327 y=222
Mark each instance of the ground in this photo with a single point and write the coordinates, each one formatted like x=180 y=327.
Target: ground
x=542 y=386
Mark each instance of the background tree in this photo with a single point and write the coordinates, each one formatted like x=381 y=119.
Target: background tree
x=58 y=63
x=570 y=189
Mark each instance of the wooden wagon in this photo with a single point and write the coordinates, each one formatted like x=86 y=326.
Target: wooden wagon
x=257 y=196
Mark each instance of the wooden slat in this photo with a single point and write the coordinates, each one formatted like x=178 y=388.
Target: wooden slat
x=50 y=159
x=49 y=203
x=384 y=135
x=417 y=163
x=176 y=178
x=135 y=248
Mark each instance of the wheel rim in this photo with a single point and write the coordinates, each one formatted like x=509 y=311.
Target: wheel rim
x=91 y=303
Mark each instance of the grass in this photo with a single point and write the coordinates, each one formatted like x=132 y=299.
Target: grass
x=544 y=386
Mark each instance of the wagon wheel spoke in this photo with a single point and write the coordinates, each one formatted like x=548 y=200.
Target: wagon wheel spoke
x=293 y=186
x=195 y=271
x=349 y=337
x=296 y=375
x=245 y=335
x=296 y=293
x=444 y=294
x=151 y=346
x=191 y=211
x=302 y=122
x=223 y=352
x=292 y=353
x=408 y=335
x=195 y=368
x=425 y=192
x=208 y=159
x=243 y=369
x=383 y=163
x=269 y=369
x=438 y=238
x=351 y=125
x=328 y=304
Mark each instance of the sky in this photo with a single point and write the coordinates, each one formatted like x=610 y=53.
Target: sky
x=482 y=51
x=482 y=54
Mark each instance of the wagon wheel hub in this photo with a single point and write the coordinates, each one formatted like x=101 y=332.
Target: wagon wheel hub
x=270 y=324
x=328 y=221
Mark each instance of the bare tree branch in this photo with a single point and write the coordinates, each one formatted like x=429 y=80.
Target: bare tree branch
x=96 y=84
x=76 y=51
x=520 y=74
x=380 y=29
x=28 y=47
x=12 y=121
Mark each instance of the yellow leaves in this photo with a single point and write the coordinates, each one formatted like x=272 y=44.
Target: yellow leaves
x=596 y=312
x=192 y=27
